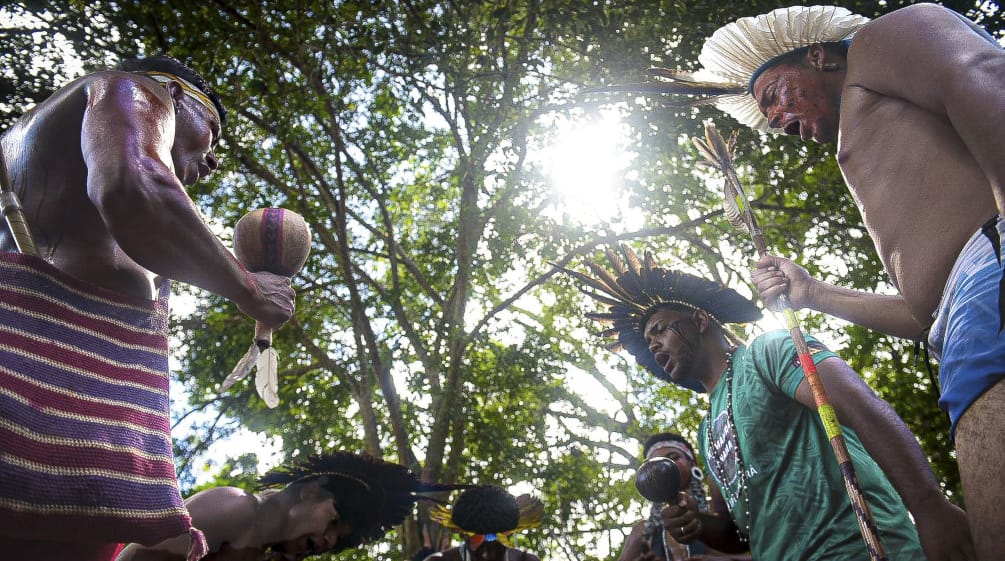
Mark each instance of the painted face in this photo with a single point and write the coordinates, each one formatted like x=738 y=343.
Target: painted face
x=488 y=551
x=196 y=133
x=796 y=100
x=678 y=454
x=673 y=338
x=313 y=526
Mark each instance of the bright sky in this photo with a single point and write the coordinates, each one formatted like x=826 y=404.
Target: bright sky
x=585 y=165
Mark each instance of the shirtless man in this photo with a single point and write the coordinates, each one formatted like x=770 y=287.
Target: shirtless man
x=322 y=504
x=100 y=168
x=917 y=102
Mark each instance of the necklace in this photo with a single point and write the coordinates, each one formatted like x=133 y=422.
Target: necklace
x=741 y=470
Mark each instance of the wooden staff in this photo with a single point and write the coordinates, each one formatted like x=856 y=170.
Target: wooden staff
x=13 y=213
x=720 y=155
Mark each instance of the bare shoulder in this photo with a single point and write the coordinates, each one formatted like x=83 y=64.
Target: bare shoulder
x=921 y=27
x=889 y=29
x=910 y=15
x=917 y=20
x=108 y=81
x=102 y=91
x=897 y=54
x=224 y=514
x=222 y=501
x=126 y=87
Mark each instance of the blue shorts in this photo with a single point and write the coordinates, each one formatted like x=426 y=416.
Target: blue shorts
x=965 y=336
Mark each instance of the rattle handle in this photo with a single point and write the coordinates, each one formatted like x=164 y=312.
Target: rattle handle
x=263 y=336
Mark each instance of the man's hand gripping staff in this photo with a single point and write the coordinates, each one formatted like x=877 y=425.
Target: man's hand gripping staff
x=276 y=240
x=719 y=154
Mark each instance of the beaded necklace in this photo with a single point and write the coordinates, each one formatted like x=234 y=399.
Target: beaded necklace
x=720 y=470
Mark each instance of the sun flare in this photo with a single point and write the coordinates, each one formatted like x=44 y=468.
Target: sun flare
x=586 y=164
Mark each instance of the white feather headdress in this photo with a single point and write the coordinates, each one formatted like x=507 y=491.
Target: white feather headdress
x=738 y=50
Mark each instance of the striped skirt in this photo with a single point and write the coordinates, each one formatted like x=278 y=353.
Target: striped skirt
x=85 y=447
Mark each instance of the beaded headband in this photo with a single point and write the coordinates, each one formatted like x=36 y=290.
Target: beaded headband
x=671 y=444
x=190 y=90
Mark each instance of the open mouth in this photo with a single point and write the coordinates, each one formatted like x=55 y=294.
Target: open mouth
x=664 y=360
x=792 y=128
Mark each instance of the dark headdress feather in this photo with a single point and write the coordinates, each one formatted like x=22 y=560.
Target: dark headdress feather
x=488 y=509
x=638 y=287
x=676 y=83
x=371 y=495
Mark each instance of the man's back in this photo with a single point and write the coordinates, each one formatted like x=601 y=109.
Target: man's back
x=921 y=192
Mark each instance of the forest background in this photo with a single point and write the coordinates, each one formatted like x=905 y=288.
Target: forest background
x=445 y=162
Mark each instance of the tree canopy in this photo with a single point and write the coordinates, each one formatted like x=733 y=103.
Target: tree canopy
x=432 y=327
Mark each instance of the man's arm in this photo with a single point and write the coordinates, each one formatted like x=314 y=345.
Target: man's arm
x=774 y=276
x=127 y=135
x=941 y=525
x=927 y=55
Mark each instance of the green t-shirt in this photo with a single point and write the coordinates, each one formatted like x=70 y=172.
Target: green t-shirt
x=798 y=505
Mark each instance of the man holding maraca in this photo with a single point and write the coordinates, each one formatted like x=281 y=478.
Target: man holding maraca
x=100 y=169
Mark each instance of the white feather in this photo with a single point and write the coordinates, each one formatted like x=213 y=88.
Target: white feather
x=243 y=367
x=267 y=379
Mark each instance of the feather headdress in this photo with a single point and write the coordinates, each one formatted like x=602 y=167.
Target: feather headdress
x=638 y=287
x=370 y=494
x=489 y=513
x=740 y=50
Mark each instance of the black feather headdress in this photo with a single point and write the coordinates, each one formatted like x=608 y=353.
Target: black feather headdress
x=490 y=510
x=638 y=287
x=371 y=495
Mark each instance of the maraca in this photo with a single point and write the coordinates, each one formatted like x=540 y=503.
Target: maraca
x=276 y=240
x=658 y=479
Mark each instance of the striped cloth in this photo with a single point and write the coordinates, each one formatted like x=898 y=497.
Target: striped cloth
x=85 y=447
